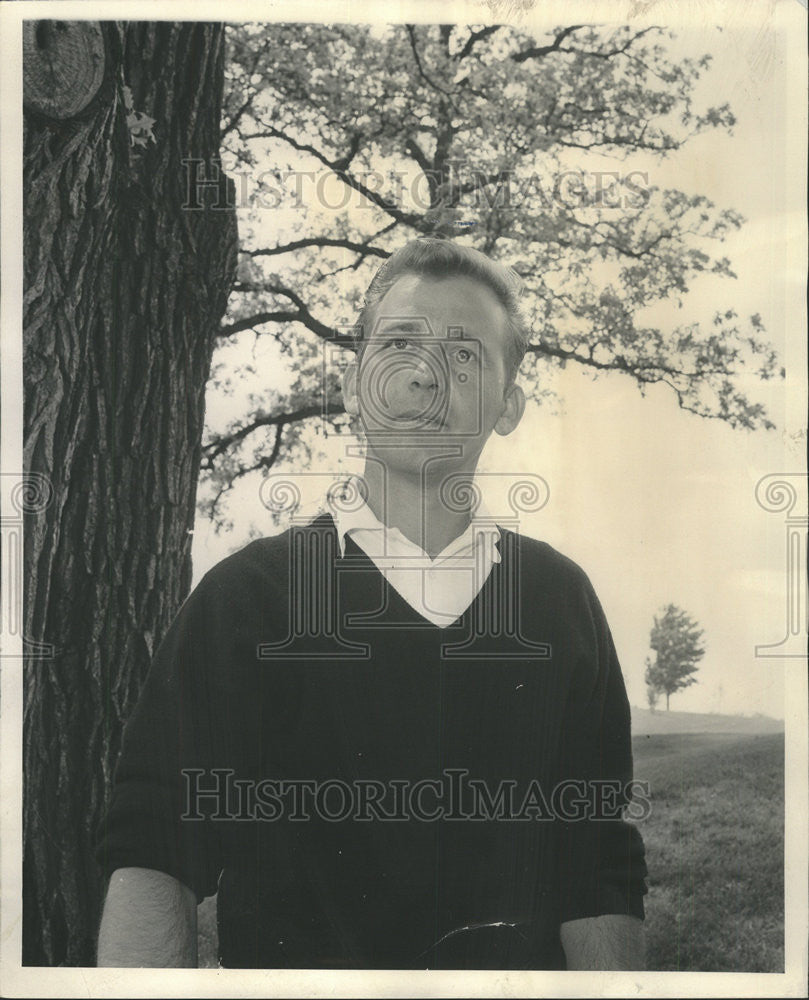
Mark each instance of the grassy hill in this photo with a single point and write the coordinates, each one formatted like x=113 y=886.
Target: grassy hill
x=715 y=850
x=644 y=721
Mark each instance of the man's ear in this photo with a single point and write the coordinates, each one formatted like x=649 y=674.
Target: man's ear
x=350 y=399
x=513 y=409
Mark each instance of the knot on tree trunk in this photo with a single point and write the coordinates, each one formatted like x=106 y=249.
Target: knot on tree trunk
x=63 y=66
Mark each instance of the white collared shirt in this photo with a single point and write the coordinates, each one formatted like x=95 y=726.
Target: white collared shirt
x=439 y=589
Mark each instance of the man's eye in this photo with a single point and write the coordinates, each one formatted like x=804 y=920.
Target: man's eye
x=399 y=343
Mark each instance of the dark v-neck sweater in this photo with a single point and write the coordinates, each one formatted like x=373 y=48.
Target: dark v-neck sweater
x=455 y=813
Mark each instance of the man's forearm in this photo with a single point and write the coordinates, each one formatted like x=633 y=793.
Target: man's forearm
x=609 y=942
x=149 y=920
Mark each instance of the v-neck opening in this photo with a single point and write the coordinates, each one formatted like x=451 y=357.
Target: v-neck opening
x=461 y=622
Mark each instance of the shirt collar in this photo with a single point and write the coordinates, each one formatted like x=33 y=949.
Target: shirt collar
x=354 y=514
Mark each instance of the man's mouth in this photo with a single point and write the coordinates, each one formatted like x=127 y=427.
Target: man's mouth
x=425 y=417
x=418 y=421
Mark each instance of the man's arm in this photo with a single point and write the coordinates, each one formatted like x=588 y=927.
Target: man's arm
x=609 y=942
x=157 y=862
x=604 y=867
x=149 y=919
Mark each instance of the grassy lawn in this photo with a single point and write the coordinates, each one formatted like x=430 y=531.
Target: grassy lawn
x=714 y=846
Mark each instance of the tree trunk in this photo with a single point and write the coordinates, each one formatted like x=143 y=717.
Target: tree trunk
x=124 y=290
x=667 y=701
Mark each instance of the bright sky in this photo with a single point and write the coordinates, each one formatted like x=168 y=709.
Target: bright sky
x=657 y=505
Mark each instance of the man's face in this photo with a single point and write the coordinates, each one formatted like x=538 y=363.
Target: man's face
x=432 y=380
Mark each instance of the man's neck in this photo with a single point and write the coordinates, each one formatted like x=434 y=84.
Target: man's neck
x=412 y=503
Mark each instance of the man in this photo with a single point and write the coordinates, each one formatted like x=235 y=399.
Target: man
x=398 y=736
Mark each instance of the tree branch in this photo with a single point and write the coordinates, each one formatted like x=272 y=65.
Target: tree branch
x=474 y=38
x=418 y=154
x=279 y=316
x=353 y=148
x=409 y=218
x=642 y=372
x=236 y=118
x=411 y=33
x=321 y=241
x=302 y=316
x=621 y=48
x=537 y=52
x=216 y=446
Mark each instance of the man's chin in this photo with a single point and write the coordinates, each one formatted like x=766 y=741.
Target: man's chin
x=416 y=449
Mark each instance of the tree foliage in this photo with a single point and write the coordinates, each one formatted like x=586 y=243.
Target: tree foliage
x=352 y=139
x=676 y=638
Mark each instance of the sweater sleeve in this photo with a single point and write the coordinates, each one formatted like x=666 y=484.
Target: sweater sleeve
x=173 y=728
x=603 y=865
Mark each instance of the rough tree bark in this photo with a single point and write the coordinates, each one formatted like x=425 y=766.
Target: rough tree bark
x=124 y=291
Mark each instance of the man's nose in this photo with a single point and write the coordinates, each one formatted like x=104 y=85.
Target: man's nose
x=412 y=384
x=424 y=376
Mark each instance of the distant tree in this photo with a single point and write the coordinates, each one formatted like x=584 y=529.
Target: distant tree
x=677 y=640
x=652 y=693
